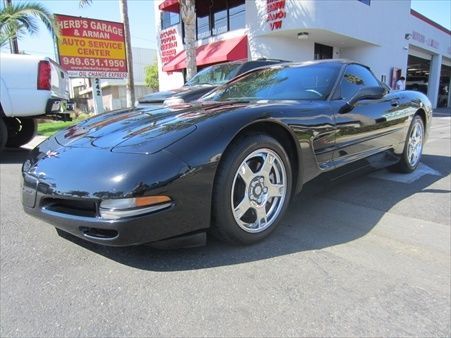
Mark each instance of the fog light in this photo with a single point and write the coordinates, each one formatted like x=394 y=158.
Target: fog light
x=128 y=207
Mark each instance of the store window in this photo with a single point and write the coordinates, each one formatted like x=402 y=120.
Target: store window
x=203 y=27
x=169 y=19
x=323 y=52
x=219 y=16
x=356 y=77
x=237 y=15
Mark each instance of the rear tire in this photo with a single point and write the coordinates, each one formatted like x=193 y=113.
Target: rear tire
x=252 y=190
x=3 y=134
x=20 y=131
x=413 y=147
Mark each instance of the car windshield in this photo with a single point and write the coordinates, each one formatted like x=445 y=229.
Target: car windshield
x=309 y=82
x=215 y=75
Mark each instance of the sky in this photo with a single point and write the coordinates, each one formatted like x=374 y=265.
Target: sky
x=142 y=20
x=140 y=12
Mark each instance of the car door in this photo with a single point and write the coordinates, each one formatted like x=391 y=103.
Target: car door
x=368 y=127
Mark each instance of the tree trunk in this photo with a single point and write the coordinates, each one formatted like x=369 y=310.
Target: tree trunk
x=130 y=88
x=188 y=11
x=13 y=45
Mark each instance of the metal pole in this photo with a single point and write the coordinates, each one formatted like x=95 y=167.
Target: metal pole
x=128 y=48
x=97 y=96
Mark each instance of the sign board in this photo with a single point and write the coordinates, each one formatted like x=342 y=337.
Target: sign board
x=91 y=48
x=170 y=43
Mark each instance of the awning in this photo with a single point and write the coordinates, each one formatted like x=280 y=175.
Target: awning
x=170 y=6
x=220 y=51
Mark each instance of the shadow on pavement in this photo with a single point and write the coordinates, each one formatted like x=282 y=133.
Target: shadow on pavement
x=13 y=155
x=328 y=212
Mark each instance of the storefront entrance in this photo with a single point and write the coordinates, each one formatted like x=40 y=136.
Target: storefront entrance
x=445 y=83
x=417 y=74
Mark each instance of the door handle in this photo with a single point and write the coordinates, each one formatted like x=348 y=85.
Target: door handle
x=395 y=103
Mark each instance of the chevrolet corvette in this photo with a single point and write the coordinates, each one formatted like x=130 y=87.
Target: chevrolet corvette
x=227 y=164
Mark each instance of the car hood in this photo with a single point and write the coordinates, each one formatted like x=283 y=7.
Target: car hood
x=147 y=130
x=159 y=97
x=136 y=130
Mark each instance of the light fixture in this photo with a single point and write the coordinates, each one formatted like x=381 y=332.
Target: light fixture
x=407 y=36
x=303 y=35
x=128 y=207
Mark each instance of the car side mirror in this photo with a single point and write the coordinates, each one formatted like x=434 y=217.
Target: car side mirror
x=364 y=93
x=367 y=93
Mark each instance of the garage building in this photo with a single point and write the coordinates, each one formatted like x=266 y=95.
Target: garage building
x=389 y=36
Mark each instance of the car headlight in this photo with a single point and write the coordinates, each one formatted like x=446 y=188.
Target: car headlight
x=128 y=207
x=172 y=101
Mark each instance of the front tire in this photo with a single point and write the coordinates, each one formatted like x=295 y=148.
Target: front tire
x=20 y=131
x=413 y=147
x=252 y=190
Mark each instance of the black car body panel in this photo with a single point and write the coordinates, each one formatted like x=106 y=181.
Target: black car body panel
x=176 y=150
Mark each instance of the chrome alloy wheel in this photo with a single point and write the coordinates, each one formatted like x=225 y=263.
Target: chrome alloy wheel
x=259 y=190
x=415 y=143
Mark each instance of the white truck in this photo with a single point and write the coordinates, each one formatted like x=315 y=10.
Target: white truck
x=30 y=87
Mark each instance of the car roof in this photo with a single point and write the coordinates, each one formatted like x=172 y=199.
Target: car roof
x=325 y=61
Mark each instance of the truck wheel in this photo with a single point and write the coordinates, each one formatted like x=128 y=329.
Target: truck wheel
x=20 y=131
x=3 y=135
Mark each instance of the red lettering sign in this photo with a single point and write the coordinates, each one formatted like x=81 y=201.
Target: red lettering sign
x=275 y=13
x=91 y=46
x=168 y=45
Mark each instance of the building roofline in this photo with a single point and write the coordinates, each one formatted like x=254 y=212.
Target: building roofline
x=429 y=21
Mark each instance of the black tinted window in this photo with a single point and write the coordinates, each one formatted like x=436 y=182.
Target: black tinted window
x=313 y=82
x=354 y=78
x=215 y=75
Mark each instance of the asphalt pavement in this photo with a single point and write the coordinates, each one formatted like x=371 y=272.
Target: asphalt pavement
x=366 y=256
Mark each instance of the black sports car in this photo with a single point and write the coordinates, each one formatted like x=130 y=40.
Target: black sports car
x=206 y=80
x=229 y=163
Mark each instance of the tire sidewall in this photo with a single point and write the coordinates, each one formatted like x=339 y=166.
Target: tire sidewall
x=224 y=218
x=28 y=131
x=405 y=160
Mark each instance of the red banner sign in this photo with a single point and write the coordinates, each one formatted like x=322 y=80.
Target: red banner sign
x=91 y=48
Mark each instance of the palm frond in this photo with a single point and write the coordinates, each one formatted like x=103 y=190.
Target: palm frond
x=83 y=3
x=23 y=16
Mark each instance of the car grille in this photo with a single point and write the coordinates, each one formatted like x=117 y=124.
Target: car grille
x=85 y=208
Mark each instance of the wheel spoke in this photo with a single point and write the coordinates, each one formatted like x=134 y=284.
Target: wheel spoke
x=259 y=194
x=415 y=131
x=246 y=173
x=275 y=190
x=242 y=207
x=261 y=216
x=267 y=166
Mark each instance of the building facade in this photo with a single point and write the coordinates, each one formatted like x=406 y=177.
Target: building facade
x=386 y=35
x=113 y=90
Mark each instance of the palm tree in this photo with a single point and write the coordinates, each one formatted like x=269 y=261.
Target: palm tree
x=188 y=13
x=130 y=86
x=18 y=19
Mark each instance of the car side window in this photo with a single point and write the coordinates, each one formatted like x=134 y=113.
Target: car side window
x=354 y=78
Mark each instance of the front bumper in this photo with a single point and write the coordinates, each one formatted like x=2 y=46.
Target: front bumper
x=124 y=232
x=65 y=189
x=153 y=227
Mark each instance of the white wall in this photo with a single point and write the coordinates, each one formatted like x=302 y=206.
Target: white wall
x=373 y=35
x=430 y=33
